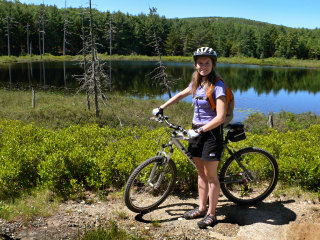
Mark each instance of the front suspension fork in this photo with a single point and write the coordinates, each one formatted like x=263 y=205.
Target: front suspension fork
x=164 y=163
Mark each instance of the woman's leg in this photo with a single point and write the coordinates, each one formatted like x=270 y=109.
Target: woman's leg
x=210 y=170
x=203 y=187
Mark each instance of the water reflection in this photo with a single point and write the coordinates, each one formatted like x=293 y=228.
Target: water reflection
x=135 y=78
x=39 y=74
x=44 y=75
x=10 y=76
x=64 y=75
x=271 y=79
x=256 y=88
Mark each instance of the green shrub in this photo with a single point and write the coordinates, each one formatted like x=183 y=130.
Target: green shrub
x=19 y=157
x=297 y=154
x=71 y=160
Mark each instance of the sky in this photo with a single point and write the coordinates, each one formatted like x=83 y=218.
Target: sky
x=289 y=13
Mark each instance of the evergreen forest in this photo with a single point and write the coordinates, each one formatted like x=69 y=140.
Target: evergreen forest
x=42 y=29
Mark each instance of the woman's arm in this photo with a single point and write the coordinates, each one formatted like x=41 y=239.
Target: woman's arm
x=221 y=115
x=176 y=98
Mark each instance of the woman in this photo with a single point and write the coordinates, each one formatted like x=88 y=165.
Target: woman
x=206 y=135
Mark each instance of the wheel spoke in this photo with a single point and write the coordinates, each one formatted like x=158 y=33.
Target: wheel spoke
x=146 y=188
x=256 y=182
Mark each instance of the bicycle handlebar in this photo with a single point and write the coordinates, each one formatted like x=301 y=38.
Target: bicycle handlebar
x=161 y=118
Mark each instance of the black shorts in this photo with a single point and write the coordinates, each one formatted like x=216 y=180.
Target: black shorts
x=208 y=146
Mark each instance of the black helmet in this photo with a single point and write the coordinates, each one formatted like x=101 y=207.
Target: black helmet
x=205 y=52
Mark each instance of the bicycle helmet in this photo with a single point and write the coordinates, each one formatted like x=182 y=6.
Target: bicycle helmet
x=205 y=51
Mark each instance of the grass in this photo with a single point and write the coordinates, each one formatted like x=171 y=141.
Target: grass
x=274 y=61
x=49 y=57
x=30 y=205
x=37 y=58
x=285 y=191
x=121 y=215
x=58 y=110
x=155 y=224
x=109 y=232
x=283 y=121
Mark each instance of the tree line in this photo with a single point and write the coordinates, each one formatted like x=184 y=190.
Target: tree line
x=40 y=29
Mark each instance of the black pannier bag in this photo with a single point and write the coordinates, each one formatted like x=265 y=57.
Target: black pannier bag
x=236 y=132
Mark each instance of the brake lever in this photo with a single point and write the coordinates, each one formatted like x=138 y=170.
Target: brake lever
x=156 y=119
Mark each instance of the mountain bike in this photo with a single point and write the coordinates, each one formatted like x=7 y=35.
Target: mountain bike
x=247 y=177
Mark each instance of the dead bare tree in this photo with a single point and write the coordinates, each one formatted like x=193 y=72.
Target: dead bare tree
x=28 y=39
x=109 y=36
x=111 y=30
x=65 y=28
x=43 y=28
x=159 y=73
x=31 y=49
x=84 y=63
x=8 y=27
x=8 y=21
x=94 y=64
x=39 y=34
x=94 y=79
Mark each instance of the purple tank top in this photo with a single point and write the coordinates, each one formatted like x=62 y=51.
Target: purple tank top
x=202 y=110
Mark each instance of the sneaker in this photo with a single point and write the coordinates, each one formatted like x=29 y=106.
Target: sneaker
x=195 y=213
x=207 y=221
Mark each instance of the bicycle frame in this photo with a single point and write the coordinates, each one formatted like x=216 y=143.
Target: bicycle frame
x=245 y=177
x=175 y=140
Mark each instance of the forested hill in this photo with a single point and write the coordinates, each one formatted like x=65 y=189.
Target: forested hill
x=133 y=34
x=230 y=20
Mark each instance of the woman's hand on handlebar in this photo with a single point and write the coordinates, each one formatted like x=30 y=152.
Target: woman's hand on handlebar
x=192 y=133
x=157 y=111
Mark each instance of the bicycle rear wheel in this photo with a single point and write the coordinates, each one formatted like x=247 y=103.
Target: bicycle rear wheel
x=150 y=184
x=248 y=188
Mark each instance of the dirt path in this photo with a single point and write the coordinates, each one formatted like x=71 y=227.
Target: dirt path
x=277 y=220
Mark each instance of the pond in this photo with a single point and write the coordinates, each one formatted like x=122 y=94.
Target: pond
x=256 y=88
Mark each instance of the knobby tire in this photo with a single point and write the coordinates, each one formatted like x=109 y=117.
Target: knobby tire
x=139 y=195
x=261 y=165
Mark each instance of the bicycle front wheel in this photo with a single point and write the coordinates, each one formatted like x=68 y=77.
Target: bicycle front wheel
x=252 y=183
x=150 y=184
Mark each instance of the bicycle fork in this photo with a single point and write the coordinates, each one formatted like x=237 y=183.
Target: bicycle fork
x=163 y=163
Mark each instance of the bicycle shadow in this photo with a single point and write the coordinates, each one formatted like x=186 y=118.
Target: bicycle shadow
x=273 y=213
x=176 y=213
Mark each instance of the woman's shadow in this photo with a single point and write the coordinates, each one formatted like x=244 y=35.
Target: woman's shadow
x=274 y=213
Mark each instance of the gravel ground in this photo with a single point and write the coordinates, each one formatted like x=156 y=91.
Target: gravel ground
x=273 y=219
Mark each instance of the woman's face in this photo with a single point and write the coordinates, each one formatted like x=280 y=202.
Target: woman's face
x=204 y=66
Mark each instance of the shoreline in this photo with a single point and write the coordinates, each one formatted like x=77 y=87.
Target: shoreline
x=274 y=61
